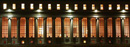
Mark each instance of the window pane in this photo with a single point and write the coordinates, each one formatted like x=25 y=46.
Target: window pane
x=49 y=27
x=75 y=27
x=4 y=27
x=58 y=27
x=101 y=27
x=40 y=28
x=84 y=28
x=109 y=27
x=118 y=27
x=67 y=27
x=14 y=28
x=126 y=27
x=93 y=27
x=31 y=28
x=23 y=27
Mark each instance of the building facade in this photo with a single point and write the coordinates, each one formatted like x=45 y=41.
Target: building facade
x=64 y=22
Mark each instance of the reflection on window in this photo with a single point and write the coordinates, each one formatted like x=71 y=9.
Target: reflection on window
x=126 y=27
x=118 y=6
x=101 y=7
x=118 y=27
x=93 y=6
x=13 y=6
x=40 y=28
x=14 y=28
x=31 y=28
x=84 y=28
x=110 y=7
x=67 y=6
x=67 y=27
x=23 y=27
x=109 y=27
x=58 y=6
x=75 y=27
x=58 y=27
x=4 y=27
x=93 y=27
x=76 y=6
x=101 y=27
x=126 y=7
x=84 y=7
x=49 y=27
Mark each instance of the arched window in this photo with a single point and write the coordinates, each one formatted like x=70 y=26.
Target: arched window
x=67 y=27
x=126 y=27
x=31 y=28
x=75 y=27
x=40 y=28
x=101 y=27
x=23 y=27
x=49 y=27
x=84 y=28
x=58 y=27
x=14 y=28
x=109 y=27
x=118 y=27
x=4 y=27
x=93 y=27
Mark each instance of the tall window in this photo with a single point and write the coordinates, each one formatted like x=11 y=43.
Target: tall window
x=58 y=27
x=58 y=6
x=93 y=27
x=4 y=6
x=49 y=6
x=126 y=7
x=40 y=6
x=101 y=27
x=13 y=6
x=31 y=28
x=76 y=7
x=23 y=27
x=4 y=27
x=118 y=6
x=31 y=6
x=40 y=28
x=67 y=27
x=110 y=7
x=75 y=27
x=101 y=7
x=67 y=6
x=49 y=27
x=84 y=28
x=109 y=27
x=126 y=27
x=118 y=27
x=22 y=6
x=93 y=6
x=84 y=7
x=14 y=28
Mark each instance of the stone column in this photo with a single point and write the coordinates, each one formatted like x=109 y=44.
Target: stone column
x=53 y=30
x=27 y=30
x=18 y=30
x=89 y=30
x=97 y=30
x=114 y=30
x=105 y=30
x=45 y=32
x=0 y=30
x=9 y=31
x=36 y=30
x=122 y=30
x=62 y=30
x=71 y=30
x=80 y=30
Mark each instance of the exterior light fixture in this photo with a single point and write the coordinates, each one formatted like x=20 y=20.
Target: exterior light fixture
x=123 y=16
x=96 y=16
x=70 y=16
x=38 y=10
x=123 y=11
x=9 y=10
x=95 y=11
x=69 y=10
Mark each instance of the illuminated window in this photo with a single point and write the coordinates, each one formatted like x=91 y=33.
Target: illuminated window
x=49 y=27
x=49 y=6
x=22 y=6
x=109 y=27
x=93 y=27
x=40 y=28
x=118 y=27
x=4 y=27
x=84 y=28
x=31 y=28
x=93 y=6
x=75 y=27
x=126 y=7
x=110 y=7
x=14 y=28
x=101 y=27
x=31 y=6
x=40 y=6
x=126 y=27
x=4 y=6
x=67 y=27
x=13 y=6
x=58 y=27
x=58 y=6
x=118 y=6
x=101 y=7
x=22 y=27
x=76 y=7
x=67 y=6
x=84 y=7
